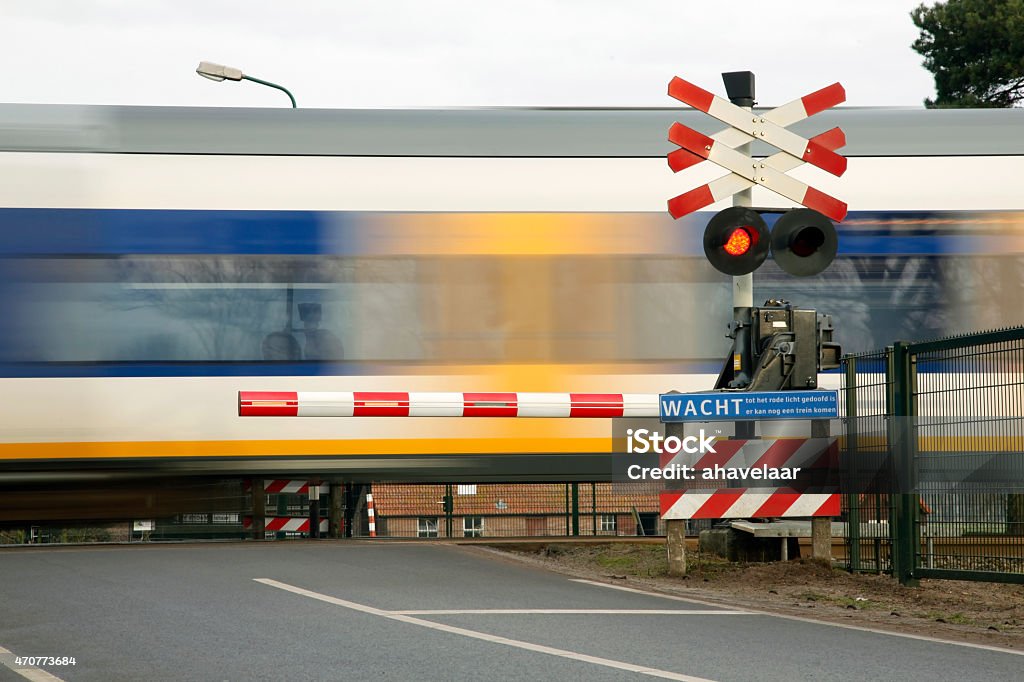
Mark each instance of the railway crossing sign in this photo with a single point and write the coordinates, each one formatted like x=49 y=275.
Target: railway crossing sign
x=719 y=406
x=746 y=127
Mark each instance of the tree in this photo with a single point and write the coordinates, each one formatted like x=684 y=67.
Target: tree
x=975 y=49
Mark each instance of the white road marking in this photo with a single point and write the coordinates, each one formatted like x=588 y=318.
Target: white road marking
x=673 y=597
x=518 y=644
x=28 y=672
x=560 y=612
x=814 y=621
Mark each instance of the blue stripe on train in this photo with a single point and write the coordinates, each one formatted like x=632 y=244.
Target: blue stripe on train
x=29 y=231
x=18 y=370
x=123 y=231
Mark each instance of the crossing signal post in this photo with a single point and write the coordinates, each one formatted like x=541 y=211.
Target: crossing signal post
x=776 y=346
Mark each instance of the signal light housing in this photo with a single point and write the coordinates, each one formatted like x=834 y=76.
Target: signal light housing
x=804 y=242
x=736 y=240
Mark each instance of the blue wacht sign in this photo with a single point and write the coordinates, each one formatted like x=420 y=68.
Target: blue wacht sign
x=730 y=406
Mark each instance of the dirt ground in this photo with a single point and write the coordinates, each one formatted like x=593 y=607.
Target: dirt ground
x=985 y=613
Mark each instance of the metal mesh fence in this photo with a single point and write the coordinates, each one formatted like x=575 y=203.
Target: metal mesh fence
x=933 y=458
x=969 y=455
x=866 y=463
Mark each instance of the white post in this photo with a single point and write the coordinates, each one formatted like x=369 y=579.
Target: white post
x=741 y=93
x=743 y=285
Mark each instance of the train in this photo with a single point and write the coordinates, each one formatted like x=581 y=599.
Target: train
x=156 y=261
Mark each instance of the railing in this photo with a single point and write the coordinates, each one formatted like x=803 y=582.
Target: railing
x=937 y=428
x=866 y=463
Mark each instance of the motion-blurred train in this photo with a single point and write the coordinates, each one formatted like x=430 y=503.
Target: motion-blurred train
x=155 y=261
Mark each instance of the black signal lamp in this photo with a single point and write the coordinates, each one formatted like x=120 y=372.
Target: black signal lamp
x=804 y=242
x=736 y=240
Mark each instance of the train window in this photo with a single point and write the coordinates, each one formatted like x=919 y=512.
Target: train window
x=212 y=309
x=465 y=309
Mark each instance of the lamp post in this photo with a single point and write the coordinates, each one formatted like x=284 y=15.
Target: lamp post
x=217 y=72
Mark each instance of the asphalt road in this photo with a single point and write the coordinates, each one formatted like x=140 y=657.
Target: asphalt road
x=409 y=611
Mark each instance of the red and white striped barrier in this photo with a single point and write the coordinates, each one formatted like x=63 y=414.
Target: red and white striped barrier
x=281 y=486
x=370 y=515
x=405 y=404
x=289 y=524
x=746 y=503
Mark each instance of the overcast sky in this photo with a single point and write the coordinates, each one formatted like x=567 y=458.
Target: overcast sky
x=436 y=53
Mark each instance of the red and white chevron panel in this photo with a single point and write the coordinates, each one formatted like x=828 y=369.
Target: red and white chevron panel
x=288 y=524
x=817 y=458
x=405 y=404
x=746 y=503
x=276 y=486
x=806 y=453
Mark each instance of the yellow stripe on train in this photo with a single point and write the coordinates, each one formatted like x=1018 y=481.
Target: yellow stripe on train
x=302 y=448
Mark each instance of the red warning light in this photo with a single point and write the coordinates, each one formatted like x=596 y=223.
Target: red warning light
x=736 y=240
x=738 y=243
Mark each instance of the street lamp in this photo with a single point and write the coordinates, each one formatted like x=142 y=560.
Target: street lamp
x=217 y=72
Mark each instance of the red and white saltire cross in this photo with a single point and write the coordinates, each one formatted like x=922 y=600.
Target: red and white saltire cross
x=746 y=503
x=727 y=185
x=412 y=404
x=747 y=127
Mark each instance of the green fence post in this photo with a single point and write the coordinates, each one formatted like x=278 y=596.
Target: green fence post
x=568 y=524
x=449 y=509
x=905 y=540
x=259 y=509
x=575 y=508
x=852 y=506
x=282 y=510
x=593 y=507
